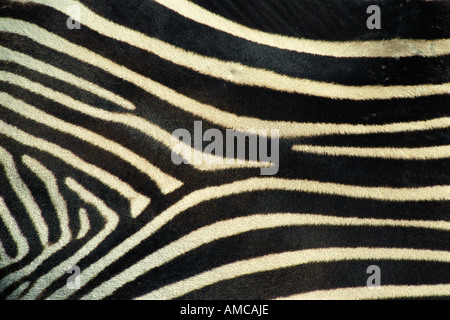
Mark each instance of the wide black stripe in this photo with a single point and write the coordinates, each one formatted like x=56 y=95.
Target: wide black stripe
x=337 y=20
x=166 y=25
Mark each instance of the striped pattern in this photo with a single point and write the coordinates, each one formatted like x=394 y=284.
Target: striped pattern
x=86 y=122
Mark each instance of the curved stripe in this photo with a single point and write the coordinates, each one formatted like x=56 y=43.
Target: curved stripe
x=58 y=201
x=290 y=259
x=18 y=292
x=345 y=49
x=138 y=202
x=111 y=222
x=85 y=225
x=244 y=75
x=24 y=195
x=237 y=226
x=239 y=73
x=425 y=153
x=203 y=111
x=259 y=184
x=49 y=70
x=16 y=234
x=164 y=181
x=383 y=292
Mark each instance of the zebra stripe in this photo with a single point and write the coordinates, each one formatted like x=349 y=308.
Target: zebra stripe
x=85 y=151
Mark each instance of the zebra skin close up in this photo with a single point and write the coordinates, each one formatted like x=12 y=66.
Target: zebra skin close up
x=92 y=205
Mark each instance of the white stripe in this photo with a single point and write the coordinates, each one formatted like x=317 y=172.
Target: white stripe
x=382 y=292
x=290 y=259
x=287 y=129
x=58 y=201
x=242 y=74
x=138 y=202
x=357 y=49
x=237 y=226
x=24 y=195
x=5 y=259
x=425 y=153
x=164 y=181
x=47 y=69
x=259 y=184
x=111 y=219
x=85 y=225
x=16 y=234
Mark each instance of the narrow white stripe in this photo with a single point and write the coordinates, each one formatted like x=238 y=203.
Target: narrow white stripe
x=287 y=129
x=5 y=259
x=138 y=202
x=24 y=195
x=18 y=292
x=357 y=49
x=85 y=225
x=47 y=69
x=425 y=153
x=242 y=74
x=164 y=181
x=257 y=184
x=58 y=201
x=16 y=234
x=111 y=222
x=237 y=226
x=290 y=259
x=383 y=292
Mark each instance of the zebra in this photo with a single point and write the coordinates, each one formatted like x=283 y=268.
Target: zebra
x=92 y=207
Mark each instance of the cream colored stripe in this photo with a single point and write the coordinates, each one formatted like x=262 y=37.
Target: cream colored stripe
x=357 y=49
x=287 y=129
x=164 y=181
x=257 y=184
x=425 y=153
x=242 y=74
x=49 y=70
x=18 y=292
x=138 y=202
x=85 y=225
x=111 y=222
x=5 y=260
x=16 y=234
x=237 y=226
x=58 y=201
x=290 y=259
x=24 y=195
x=383 y=292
